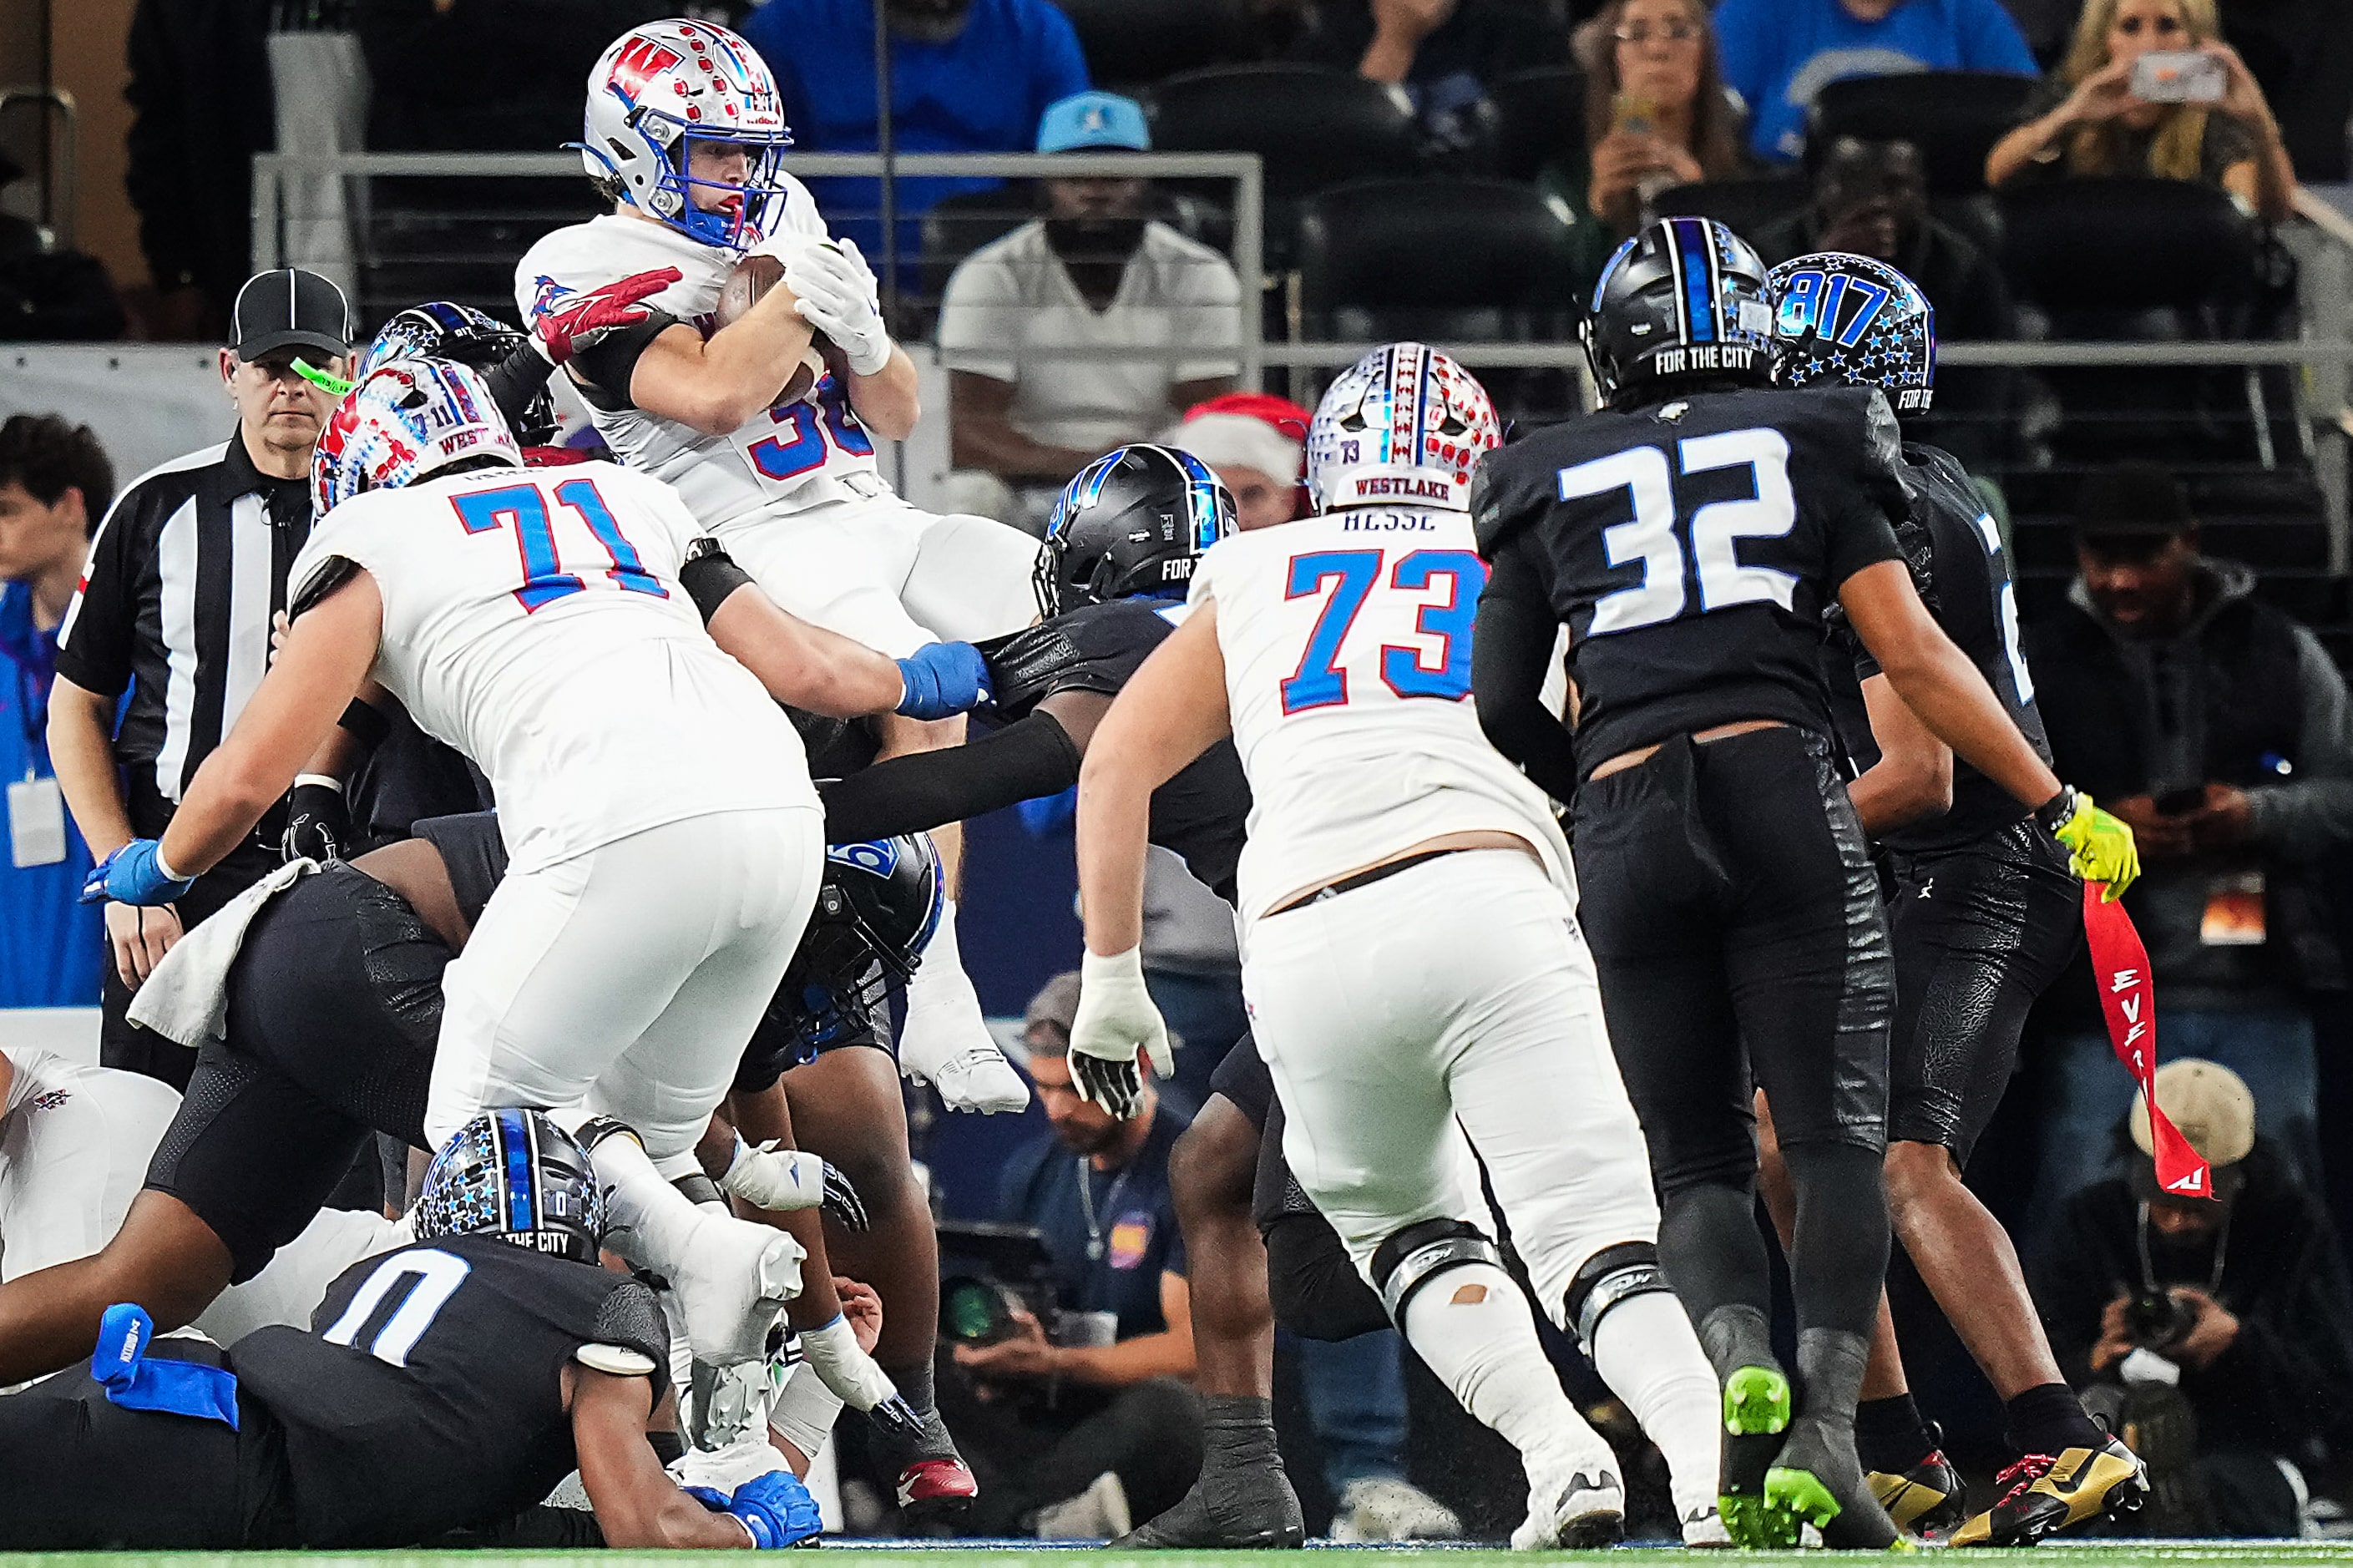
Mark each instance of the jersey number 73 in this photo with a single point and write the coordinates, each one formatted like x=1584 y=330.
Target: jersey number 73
x=1351 y=576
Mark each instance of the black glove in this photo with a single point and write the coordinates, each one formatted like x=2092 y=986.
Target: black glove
x=318 y=821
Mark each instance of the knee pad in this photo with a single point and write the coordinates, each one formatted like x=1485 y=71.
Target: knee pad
x=1413 y=1257
x=1608 y=1277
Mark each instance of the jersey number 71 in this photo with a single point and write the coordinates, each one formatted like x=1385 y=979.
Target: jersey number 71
x=1322 y=681
x=544 y=580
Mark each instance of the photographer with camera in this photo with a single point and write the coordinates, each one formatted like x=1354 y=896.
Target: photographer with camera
x=2221 y=1329
x=1077 y=1414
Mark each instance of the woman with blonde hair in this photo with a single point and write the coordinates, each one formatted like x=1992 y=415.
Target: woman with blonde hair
x=2090 y=121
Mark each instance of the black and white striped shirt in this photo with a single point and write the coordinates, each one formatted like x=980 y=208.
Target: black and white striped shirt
x=183 y=576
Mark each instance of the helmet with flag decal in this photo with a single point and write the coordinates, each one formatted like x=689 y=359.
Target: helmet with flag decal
x=1682 y=304
x=516 y=1175
x=664 y=87
x=410 y=419
x=1402 y=427
x=443 y=329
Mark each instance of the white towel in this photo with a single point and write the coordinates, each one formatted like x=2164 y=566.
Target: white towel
x=185 y=997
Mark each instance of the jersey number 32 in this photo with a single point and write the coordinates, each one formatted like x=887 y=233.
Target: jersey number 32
x=1656 y=535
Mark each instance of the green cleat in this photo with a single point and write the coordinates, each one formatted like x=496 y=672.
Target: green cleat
x=1755 y=1416
x=1793 y=1499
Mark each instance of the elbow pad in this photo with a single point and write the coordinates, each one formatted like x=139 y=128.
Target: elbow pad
x=709 y=576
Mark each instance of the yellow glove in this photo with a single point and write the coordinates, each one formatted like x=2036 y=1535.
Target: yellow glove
x=2100 y=846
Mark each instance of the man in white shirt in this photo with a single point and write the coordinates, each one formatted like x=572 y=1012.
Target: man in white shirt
x=1161 y=313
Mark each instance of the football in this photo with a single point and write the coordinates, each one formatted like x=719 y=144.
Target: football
x=747 y=284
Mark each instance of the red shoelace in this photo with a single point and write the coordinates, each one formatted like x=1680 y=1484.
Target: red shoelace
x=2016 y=1477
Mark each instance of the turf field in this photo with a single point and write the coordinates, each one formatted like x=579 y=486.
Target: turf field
x=2105 y=1554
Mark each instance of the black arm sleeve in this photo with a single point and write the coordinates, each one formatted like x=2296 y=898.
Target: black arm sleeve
x=515 y=380
x=709 y=575
x=926 y=789
x=603 y=369
x=1516 y=632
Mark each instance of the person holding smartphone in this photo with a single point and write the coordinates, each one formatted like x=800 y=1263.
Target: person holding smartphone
x=2150 y=88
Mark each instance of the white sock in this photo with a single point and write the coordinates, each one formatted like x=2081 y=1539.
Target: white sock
x=648 y=1220
x=940 y=980
x=1645 y=1351
x=1471 y=1326
x=805 y=1411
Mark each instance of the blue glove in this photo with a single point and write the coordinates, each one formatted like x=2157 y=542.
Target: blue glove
x=943 y=679
x=775 y=1508
x=131 y=875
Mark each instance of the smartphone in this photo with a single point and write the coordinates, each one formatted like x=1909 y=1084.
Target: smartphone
x=1633 y=116
x=2179 y=76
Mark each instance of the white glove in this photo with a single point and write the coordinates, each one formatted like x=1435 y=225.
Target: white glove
x=783 y=1179
x=1115 y=1020
x=838 y=298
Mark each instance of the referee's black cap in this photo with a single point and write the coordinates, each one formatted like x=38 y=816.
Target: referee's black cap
x=288 y=307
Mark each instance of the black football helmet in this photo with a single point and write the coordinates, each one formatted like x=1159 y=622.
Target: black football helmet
x=876 y=910
x=1134 y=521
x=1682 y=303
x=516 y=1175
x=1853 y=321
x=445 y=330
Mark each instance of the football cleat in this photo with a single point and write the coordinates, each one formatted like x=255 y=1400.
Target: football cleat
x=931 y=1488
x=1923 y=1499
x=1247 y=1507
x=2041 y=1495
x=1703 y=1530
x=1815 y=1490
x=1573 y=1505
x=1756 y=1419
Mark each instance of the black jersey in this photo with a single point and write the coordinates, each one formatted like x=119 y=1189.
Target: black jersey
x=1691 y=547
x=427 y=1396
x=1200 y=812
x=1954 y=552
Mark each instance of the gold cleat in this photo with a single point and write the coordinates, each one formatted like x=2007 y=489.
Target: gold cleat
x=1925 y=1499
x=2042 y=1495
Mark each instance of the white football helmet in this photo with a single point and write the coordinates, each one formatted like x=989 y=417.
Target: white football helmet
x=659 y=88
x=408 y=421
x=1402 y=427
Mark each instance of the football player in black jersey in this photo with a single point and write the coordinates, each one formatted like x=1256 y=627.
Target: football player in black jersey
x=1984 y=914
x=1119 y=552
x=1689 y=537
x=331 y=1013
x=444 y=1385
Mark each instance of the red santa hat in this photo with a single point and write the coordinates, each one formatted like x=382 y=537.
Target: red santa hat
x=1246 y=430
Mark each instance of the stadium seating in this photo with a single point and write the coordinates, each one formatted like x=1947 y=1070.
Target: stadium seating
x=1743 y=206
x=1130 y=43
x=1953 y=117
x=1539 y=116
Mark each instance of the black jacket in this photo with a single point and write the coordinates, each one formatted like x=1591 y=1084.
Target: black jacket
x=2288 y=1376
x=200 y=90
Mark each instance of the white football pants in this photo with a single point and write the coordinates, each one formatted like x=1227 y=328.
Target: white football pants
x=888 y=575
x=1456 y=994
x=628 y=979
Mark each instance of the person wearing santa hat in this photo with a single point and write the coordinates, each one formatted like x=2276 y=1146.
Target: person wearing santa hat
x=1254 y=441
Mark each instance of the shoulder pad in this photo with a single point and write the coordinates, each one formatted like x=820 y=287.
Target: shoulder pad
x=618 y=1359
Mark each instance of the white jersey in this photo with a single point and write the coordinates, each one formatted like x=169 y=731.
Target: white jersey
x=1347 y=641
x=75 y=1142
x=790 y=457
x=533 y=618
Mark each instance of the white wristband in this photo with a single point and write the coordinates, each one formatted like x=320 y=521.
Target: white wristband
x=162 y=869
x=333 y=784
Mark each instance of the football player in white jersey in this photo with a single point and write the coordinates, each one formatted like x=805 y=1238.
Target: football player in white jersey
x=664 y=838
x=1411 y=955
x=683 y=134
x=75 y=1142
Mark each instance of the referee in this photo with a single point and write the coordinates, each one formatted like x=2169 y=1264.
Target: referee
x=183 y=576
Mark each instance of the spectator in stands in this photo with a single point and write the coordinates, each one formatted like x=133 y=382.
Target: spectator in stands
x=1871 y=198
x=1160 y=315
x=1441 y=53
x=2218 y=1330
x=1079 y=1432
x=2218 y=727
x=1777 y=54
x=966 y=76
x=202 y=106
x=54 y=481
x=1656 y=116
x=48 y=294
x=1254 y=441
x=2090 y=121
